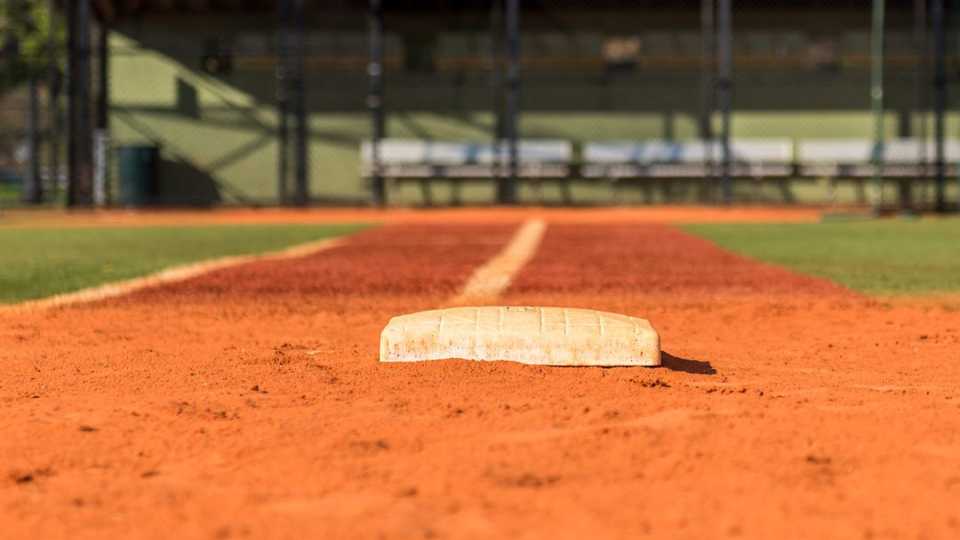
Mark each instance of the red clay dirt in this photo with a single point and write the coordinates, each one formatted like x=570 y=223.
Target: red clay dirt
x=250 y=403
x=655 y=214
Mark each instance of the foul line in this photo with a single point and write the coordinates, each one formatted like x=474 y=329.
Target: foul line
x=491 y=279
x=170 y=275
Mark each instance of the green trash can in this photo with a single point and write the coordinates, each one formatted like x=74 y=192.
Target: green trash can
x=138 y=174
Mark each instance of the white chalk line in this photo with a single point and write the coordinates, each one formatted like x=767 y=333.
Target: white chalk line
x=173 y=274
x=490 y=280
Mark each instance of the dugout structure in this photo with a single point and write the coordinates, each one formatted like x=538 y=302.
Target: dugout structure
x=259 y=102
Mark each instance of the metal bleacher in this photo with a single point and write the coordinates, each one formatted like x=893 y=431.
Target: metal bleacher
x=776 y=159
x=425 y=161
x=751 y=158
x=855 y=158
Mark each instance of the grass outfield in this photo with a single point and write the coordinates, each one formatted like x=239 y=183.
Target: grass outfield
x=9 y=195
x=876 y=257
x=36 y=262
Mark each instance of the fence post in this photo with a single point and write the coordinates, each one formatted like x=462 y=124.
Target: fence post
x=707 y=84
x=939 y=100
x=507 y=192
x=101 y=141
x=301 y=119
x=876 y=99
x=80 y=144
x=375 y=101
x=33 y=184
x=920 y=89
x=54 y=81
x=725 y=90
x=496 y=87
x=283 y=99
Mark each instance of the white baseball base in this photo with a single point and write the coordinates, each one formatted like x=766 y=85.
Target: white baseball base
x=530 y=335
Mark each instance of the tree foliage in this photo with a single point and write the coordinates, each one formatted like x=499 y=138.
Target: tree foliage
x=25 y=40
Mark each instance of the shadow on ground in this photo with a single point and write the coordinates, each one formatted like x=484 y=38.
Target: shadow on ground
x=686 y=365
x=181 y=183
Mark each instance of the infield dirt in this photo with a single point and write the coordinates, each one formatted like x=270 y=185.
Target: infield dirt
x=249 y=402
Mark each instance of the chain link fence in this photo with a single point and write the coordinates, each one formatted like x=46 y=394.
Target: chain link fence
x=202 y=86
x=32 y=57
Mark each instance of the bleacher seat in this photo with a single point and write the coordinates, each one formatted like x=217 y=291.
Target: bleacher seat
x=855 y=158
x=751 y=158
x=449 y=160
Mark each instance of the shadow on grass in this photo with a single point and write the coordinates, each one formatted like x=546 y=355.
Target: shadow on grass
x=686 y=365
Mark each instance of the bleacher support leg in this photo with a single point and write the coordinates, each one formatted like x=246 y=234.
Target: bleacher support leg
x=614 y=195
x=456 y=193
x=786 y=192
x=566 y=193
x=426 y=192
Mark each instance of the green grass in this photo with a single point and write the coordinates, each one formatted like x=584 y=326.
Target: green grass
x=876 y=257
x=41 y=261
x=9 y=194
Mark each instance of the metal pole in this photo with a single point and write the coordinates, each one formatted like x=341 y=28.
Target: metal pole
x=375 y=101
x=283 y=103
x=80 y=169
x=707 y=83
x=725 y=91
x=496 y=85
x=53 y=97
x=33 y=184
x=920 y=41
x=876 y=98
x=301 y=158
x=939 y=99
x=101 y=191
x=508 y=189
